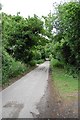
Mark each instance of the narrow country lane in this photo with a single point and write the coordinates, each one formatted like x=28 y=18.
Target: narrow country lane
x=21 y=98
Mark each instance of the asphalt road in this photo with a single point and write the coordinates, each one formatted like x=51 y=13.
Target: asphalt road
x=21 y=98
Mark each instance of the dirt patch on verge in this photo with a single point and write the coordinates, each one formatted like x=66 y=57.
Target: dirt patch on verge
x=52 y=105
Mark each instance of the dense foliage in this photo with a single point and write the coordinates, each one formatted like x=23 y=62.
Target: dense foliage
x=21 y=35
x=11 y=67
x=31 y=40
x=66 y=43
x=24 y=41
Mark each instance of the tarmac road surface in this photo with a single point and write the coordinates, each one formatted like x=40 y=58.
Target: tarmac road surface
x=21 y=98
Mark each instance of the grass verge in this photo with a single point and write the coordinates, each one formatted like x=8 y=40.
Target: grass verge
x=66 y=84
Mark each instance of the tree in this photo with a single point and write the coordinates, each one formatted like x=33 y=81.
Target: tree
x=21 y=35
x=49 y=25
x=67 y=40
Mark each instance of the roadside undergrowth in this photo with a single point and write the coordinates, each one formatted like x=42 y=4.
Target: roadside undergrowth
x=65 y=83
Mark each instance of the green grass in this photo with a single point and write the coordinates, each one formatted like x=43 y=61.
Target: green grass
x=65 y=83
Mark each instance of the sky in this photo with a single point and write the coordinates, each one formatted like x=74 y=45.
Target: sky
x=28 y=7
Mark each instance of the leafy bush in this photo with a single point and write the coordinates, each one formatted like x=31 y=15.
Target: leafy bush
x=11 y=67
x=56 y=63
x=39 y=61
x=32 y=63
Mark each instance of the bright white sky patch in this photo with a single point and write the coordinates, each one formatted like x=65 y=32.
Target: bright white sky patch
x=28 y=7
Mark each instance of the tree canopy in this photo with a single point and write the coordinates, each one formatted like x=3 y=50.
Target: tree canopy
x=21 y=35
